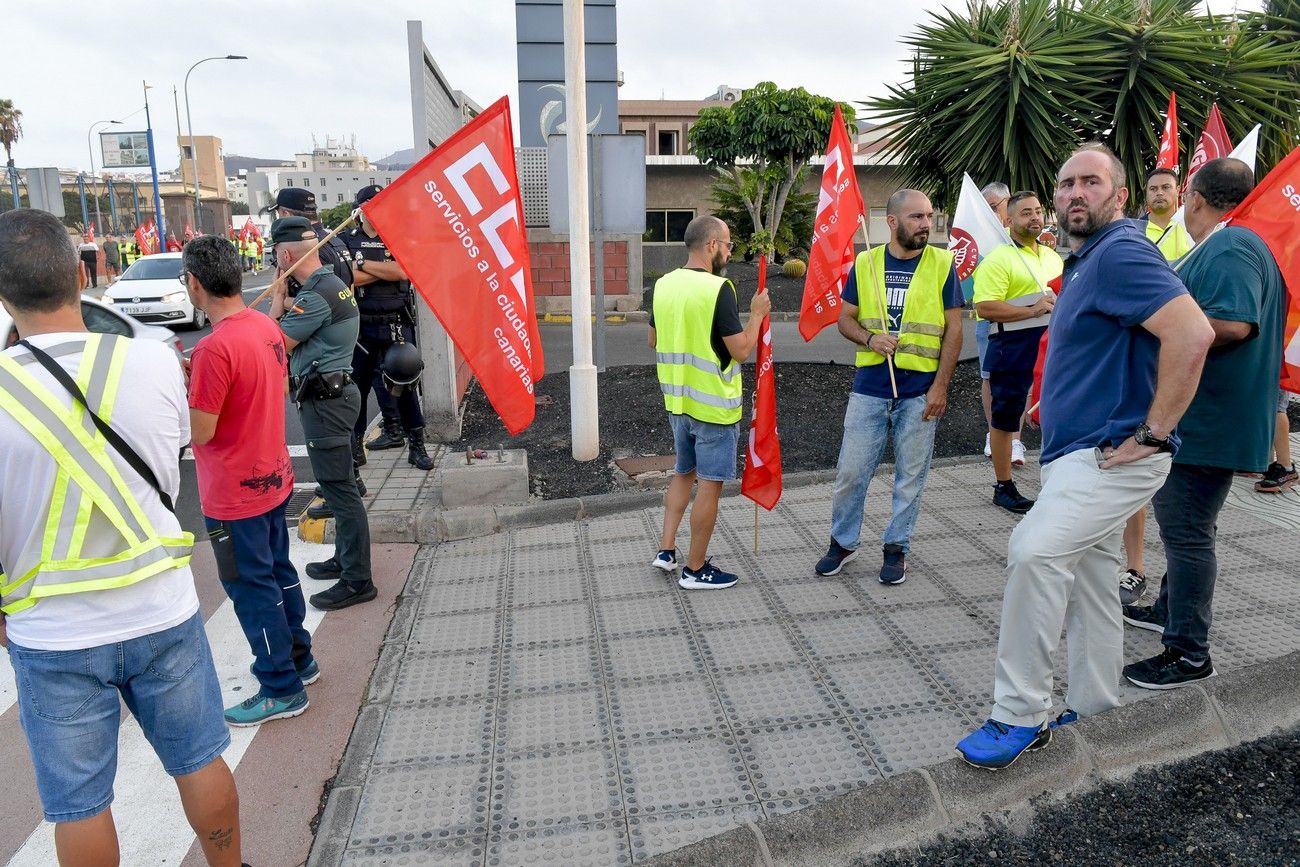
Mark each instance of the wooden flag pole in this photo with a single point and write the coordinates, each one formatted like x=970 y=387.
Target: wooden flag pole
x=322 y=242
x=880 y=297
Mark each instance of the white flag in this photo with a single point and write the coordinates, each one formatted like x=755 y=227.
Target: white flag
x=975 y=232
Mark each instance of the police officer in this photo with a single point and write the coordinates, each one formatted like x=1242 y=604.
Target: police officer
x=297 y=202
x=320 y=323
x=384 y=296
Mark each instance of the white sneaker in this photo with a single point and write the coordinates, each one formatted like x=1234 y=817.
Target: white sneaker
x=1017 y=453
x=665 y=560
x=988 y=446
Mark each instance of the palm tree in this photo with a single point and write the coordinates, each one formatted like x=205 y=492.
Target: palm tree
x=11 y=127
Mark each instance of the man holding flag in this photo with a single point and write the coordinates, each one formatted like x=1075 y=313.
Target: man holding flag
x=1228 y=426
x=902 y=307
x=699 y=346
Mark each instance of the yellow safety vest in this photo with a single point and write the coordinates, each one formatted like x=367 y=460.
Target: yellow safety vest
x=87 y=487
x=690 y=376
x=920 y=334
x=1172 y=244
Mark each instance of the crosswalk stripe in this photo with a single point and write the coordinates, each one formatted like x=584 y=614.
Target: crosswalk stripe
x=151 y=824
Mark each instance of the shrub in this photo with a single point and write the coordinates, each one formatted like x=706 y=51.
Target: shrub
x=794 y=268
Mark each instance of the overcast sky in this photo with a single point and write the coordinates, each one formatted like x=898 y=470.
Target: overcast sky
x=340 y=68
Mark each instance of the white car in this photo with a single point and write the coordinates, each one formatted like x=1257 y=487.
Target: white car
x=103 y=319
x=151 y=291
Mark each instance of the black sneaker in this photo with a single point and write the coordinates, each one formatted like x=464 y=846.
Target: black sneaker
x=343 y=595
x=1277 y=479
x=1169 y=670
x=1132 y=584
x=894 y=569
x=320 y=510
x=325 y=570
x=836 y=557
x=1143 y=617
x=1006 y=496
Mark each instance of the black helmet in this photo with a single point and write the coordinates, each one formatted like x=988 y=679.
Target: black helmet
x=402 y=364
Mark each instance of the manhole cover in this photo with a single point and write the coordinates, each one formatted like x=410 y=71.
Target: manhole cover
x=636 y=466
x=298 y=504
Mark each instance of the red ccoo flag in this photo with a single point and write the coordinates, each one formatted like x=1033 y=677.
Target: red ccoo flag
x=1214 y=143
x=1272 y=211
x=455 y=223
x=1168 y=156
x=761 y=481
x=839 y=207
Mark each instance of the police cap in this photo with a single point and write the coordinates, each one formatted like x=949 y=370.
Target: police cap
x=365 y=194
x=292 y=229
x=293 y=198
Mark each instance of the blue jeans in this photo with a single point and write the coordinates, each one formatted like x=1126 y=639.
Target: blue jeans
x=982 y=343
x=254 y=567
x=1187 y=509
x=867 y=425
x=70 y=704
x=704 y=447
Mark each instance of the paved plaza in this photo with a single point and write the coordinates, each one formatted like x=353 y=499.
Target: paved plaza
x=544 y=696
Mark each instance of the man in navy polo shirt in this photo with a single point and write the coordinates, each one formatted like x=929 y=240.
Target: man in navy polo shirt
x=1125 y=354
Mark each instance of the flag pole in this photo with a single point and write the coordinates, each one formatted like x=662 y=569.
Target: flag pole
x=322 y=242
x=756 y=528
x=880 y=297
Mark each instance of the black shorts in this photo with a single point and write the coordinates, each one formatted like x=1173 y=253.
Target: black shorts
x=1010 y=391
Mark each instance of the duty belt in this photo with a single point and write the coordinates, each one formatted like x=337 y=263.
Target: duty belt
x=394 y=318
x=319 y=386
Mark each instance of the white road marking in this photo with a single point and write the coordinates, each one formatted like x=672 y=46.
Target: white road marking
x=146 y=809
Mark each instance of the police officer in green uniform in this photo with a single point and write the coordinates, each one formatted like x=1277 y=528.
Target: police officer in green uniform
x=387 y=318
x=320 y=324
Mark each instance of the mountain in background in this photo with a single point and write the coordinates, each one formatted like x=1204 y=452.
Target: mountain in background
x=398 y=161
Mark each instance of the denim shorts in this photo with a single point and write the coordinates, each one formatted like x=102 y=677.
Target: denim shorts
x=982 y=344
x=1283 y=400
x=705 y=448
x=68 y=702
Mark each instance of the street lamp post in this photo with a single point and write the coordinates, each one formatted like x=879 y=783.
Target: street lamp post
x=94 y=180
x=189 y=123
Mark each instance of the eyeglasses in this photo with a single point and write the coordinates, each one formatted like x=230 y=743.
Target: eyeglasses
x=730 y=245
x=184 y=277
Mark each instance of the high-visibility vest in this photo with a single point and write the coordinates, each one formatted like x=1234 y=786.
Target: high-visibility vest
x=690 y=376
x=1173 y=242
x=920 y=334
x=87 y=487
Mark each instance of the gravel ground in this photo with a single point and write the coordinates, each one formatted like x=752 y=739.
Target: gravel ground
x=1234 y=806
x=810 y=414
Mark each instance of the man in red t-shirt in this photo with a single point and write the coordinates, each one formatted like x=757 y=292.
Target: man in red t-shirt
x=238 y=381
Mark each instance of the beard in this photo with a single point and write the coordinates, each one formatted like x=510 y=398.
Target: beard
x=719 y=265
x=918 y=241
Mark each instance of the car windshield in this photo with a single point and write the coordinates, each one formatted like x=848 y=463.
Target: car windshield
x=153 y=269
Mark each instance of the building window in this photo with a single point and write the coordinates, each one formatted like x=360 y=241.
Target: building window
x=340 y=180
x=372 y=182
x=666 y=226
x=667 y=142
x=340 y=197
x=388 y=180
x=288 y=182
x=306 y=182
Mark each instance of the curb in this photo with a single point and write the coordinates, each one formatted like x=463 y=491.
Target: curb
x=907 y=811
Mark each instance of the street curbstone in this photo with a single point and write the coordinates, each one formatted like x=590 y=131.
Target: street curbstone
x=899 y=808
x=466 y=523
x=739 y=847
x=399 y=628
x=384 y=678
x=426 y=526
x=967 y=793
x=1258 y=700
x=335 y=827
x=312 y=529
x=1151 y=733
x=613 y=504
x=544 y=512
x=391 y=526
x=355 y=763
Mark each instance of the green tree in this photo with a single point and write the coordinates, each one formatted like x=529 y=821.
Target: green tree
x=794 y=233
x=761 y=143
x=11 y=128
x=239 y=207
x=1003 y=91
x=331 y=217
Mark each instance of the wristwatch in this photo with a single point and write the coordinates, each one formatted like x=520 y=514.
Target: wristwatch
x=1143 y=437
x=361 y=265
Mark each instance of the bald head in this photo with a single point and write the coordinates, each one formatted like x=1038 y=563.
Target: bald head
x=1224 y=183
x=702 y=230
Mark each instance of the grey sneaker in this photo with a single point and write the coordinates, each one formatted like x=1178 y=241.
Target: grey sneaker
x=1132 y=584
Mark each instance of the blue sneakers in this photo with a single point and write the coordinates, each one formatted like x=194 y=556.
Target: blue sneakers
x=996 y=745
x=261 y=708
x=1065 y=717
x=836 y=556
x=894 y=568
x=707 y=577
x=666 y=560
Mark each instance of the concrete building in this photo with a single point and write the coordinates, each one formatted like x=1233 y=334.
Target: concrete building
x=334 y=173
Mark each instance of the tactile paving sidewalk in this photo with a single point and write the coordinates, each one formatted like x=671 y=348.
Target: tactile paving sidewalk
x=561 y=702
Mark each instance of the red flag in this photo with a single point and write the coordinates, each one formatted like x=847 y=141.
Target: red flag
x=189 y=233
x=142 y=239
x=1168 y=157
x=90 y=234
x=455 y=223
x=761 y=481
x=1036 y=390
x=1272 y=211
x=1214 y=143
x=839 y=207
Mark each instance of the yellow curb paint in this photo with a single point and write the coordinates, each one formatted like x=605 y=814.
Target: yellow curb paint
x=312 y=529
x=616 y=319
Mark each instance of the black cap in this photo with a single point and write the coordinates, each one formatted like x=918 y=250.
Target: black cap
x=293 y=198
x=365 y=194
x=292 y=229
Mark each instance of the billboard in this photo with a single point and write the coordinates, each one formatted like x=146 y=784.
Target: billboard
x=124 y=149
x=539 y=38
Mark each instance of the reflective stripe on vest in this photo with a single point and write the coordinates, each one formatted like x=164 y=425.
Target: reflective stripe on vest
x=920 y=334
x=87 y=488
x=691 y=378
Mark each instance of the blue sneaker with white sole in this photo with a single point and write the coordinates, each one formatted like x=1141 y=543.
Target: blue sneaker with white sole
x=263 y=708
x=707 y=577
x=666 y=560
x=994 y=745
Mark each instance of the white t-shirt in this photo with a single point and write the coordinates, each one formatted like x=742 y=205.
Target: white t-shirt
x=85 y=248
x=152 y=414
